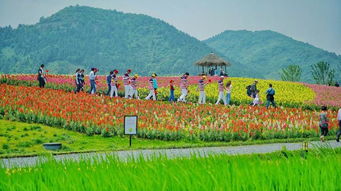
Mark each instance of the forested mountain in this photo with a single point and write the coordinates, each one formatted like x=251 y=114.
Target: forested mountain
x=85 y=37
x=268 y=52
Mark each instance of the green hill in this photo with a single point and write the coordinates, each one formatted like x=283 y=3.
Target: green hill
x=268 y=52
x=86 y=37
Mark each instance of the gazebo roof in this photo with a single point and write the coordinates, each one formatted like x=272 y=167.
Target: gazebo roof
x=212 y=60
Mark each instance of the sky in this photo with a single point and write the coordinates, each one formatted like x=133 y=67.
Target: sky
x=317 y=22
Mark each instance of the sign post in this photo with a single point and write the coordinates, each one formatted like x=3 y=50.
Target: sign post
x=130 y=126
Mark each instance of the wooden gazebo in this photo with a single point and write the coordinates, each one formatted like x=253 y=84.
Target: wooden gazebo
x=212 y=61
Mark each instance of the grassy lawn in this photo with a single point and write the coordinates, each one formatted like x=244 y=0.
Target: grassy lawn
x=23 y=139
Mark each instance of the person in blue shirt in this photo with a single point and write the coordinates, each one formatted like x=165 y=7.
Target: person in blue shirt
x=109 y=77
x=270 y=99
x=155 y=85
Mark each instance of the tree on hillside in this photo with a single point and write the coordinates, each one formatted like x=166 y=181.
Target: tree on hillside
x=323 y=73
x=291 y=73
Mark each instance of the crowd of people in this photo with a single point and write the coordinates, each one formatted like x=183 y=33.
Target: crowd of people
x=130 y=87
x=130 y=91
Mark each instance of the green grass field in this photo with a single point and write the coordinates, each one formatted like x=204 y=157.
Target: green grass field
x=23 y=139
x=316 y=170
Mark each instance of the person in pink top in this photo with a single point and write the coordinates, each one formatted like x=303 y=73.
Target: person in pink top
x=114 y=84
x=201 y=88
x=151 y=89
x=126 y=83
x=183 y=87
x=133 y=83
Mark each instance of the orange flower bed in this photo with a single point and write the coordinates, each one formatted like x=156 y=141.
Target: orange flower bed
x=160 y=120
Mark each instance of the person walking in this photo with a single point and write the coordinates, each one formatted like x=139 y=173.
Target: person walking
x=114 y=84
x=81 y=81
x=256 y=101
x=151 y=90
x=133 y=83
x=92 y=78
x=109 y=77
x=323 y=124
x=126 y=83
x=253 y=89
x=183 y=87
x=41 y=77
x=171 y=91
x=201 y=88
x=270 y=99
x=155 y=85
x=221 y=90
x=228 y=89
x=77 y=74
x=338 y=134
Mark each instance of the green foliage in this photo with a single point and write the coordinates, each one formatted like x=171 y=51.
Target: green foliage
x=291 y=73
x=285 y=170
x=84 y=37
x=323 y=73
x=267 y=52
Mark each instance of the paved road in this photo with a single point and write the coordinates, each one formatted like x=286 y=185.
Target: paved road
x=171 y=153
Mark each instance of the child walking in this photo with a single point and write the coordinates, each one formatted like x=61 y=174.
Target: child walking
x=171 y=91
x=221 y=90
x=323 y=123
x=256 y=100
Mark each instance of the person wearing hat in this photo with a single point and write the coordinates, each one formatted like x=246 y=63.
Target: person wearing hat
x=126 y=83
x=133 y=83
x=201 y=88
x=155 y=85
x=171 y=91
x=114 y=84
x=151 y=89
x=183 y=87
x=221 y=90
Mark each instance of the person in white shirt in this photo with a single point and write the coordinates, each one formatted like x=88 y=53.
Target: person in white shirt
x=126 y=83
x=201 y=88
x=151 y=90
x=256 y=100
x=183 y=87
x=92 y=78
x=228 y=92
x=339 y=132
x=221 y=91
x=114 y=85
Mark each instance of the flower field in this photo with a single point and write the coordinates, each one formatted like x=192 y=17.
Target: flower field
x=326 y=95
x=157 y=120
x=288 y=94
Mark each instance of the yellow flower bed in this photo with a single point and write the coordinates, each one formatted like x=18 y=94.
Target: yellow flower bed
x=287 y=93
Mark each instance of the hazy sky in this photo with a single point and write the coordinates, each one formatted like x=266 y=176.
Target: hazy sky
x=317 y=22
